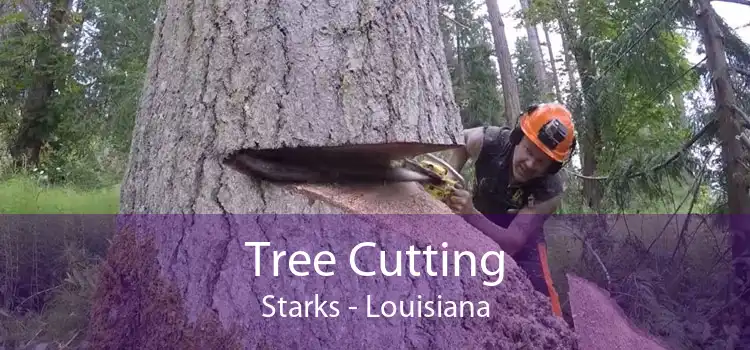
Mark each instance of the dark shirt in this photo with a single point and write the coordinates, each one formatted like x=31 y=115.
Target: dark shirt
x=493 y=193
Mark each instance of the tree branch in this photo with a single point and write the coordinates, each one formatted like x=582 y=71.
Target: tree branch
x=454 y=21
x=671 y=159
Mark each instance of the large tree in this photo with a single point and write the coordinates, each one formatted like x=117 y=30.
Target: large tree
x=537 y=58
x=502 y=53
x=38 y=117
x=227 y=76
x=529 y=90
x=475 y=85
x=735 y=145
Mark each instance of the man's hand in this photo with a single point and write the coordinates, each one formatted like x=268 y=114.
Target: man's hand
x=461 y=201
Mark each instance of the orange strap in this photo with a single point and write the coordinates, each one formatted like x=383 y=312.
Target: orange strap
x=556 y=309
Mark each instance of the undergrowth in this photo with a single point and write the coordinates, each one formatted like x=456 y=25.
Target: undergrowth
x=676 y=289
x=48 y=264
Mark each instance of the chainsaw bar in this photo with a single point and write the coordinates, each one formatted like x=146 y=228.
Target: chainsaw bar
x=325 y=168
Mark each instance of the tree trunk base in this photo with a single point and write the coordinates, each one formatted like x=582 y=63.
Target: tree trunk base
x=153 y=298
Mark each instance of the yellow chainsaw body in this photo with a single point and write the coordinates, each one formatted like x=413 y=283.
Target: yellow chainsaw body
x=445 y=189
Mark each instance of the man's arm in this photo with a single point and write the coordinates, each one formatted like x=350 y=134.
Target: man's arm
x=527 y=222
x=531 y=218
x=473 y=139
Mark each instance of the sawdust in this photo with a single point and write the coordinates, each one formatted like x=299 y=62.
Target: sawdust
x=404 y=198
x=395 y=198
x=526 y=320
x=135 y=308
x=601 y=324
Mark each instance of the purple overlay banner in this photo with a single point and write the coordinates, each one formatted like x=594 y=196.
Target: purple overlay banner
x=328 y=276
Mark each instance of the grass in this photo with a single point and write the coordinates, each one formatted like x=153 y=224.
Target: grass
x=60 y=262
x=23 y=195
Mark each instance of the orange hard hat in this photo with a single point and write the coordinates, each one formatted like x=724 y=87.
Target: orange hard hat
x=550 y=127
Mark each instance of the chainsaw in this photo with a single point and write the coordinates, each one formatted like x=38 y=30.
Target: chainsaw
x=448 y=179
x=331 y=165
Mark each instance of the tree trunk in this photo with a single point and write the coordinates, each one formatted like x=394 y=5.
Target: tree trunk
x=38 y=119
x=553 y=64
x=569 y=68
x=460 y=70
x=267 y=90
x=447 y=42
x=510 y=85
x=733 y=155
x=536 y=56
x=233 y=76
x=591 y=138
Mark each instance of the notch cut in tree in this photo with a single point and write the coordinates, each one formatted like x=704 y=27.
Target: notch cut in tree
x=227 y=76
x=285 y=75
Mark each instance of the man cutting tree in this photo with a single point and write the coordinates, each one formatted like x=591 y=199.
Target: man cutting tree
x=517 y=185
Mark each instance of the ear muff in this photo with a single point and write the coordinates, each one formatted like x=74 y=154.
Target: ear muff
x=516 y=135
x=530 y=110
x=557 y=166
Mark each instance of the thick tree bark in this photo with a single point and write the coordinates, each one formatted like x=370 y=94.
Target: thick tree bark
x=229 y=76
x=508 y=80
x=328 y=76
x=733 y=155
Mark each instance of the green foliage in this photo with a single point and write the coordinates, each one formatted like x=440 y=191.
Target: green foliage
x=124 y=37
x=97 y=85
x=17 y=51
x=639 y=66
x=481 y=99
x=528 y=87
x=539 y=11
x=475 y=80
